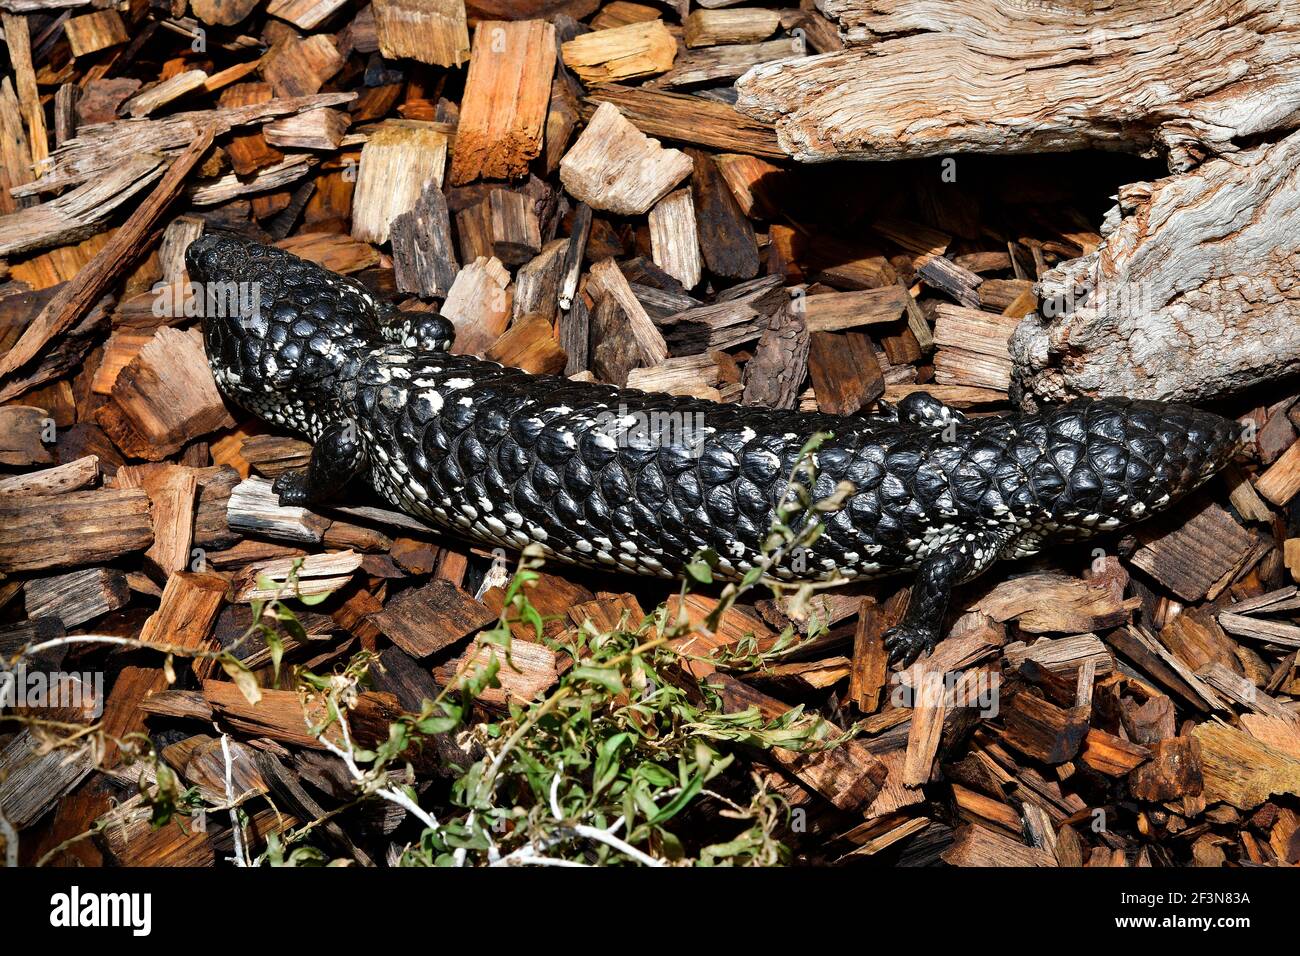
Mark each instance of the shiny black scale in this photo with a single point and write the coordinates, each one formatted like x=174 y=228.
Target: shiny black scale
x=618 y=478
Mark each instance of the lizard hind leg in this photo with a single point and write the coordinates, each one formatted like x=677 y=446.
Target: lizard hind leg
x=963 y=560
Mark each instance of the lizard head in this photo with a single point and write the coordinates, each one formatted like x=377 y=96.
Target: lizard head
x=274 y=323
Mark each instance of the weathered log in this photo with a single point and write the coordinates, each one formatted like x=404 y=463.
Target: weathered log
x=921 y=78
x=1191 y=296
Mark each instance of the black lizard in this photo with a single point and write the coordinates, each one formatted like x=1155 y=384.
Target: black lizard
x=621 y=479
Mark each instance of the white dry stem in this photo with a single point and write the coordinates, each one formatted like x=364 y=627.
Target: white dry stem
x=236 y=827
x=367 y=782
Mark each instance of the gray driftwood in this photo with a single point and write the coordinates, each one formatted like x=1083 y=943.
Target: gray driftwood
x=1192 y=295
x=931 y=78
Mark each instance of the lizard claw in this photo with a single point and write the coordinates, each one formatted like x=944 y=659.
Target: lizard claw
x=291 y=486
x=905 y=644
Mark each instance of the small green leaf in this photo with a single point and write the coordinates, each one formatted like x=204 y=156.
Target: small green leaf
x=700 y=572
x=606 y=677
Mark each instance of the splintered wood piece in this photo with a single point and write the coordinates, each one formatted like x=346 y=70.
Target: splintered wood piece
x=1193 y=349
x=696 y=375
x=615 y=167
x=1262 y=629
x=1242 y=692
x=77 y=528
x=1282 y=735
x=305 y=14
x=1042 y=730
x=70 y=303
x=423 y=621
x=845 y=372
x=310 y=129
x=740 y=314
x=674 y=238
x=726 y=234
x=563 y=114
x=424 y=258
x=187 y=612
x=516 y=233
x=711 y=64
x=712 y=27
x=92 y=32
x=836 y=311
x=1197 y=639
x=537 y=284
x=923 y=734
x=848 y=776
x=507 y=96
x=280 y=715
x=78 y=212
x=271 y=455
x=399 y=161
x=16 y=167
x=529 y=344
x=300 y=67
x=254 y=508
x=972 y=347
x=167 y=395
x=1111 y=755
x=176 y=238
x=72 y=476
x=1281 y=480
x=1062 y=655
x=982 y=847
x=1044 y=602
x=606 y=279
x=923 y=85
x=76 y=597
x=249 y=151
x=621 y=53
x=169 y=90
x=774 y=376
x=530 y=670
x=171 y=490
x=621 y=12
x=99 y=149
x=18 y=40
x=431 y=31
x=737 y=624
x=34 y=778
x=574 y=255
x=746 y=176
x=683 y=118
x=1195 y=553
x=317 y=574
x=478 y=305
x=1241 y=770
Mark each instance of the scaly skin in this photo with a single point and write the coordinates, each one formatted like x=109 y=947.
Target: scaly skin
x=620 y=479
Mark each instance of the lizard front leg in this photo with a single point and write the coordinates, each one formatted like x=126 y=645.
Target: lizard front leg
x=961 y=561
x=336 y=458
